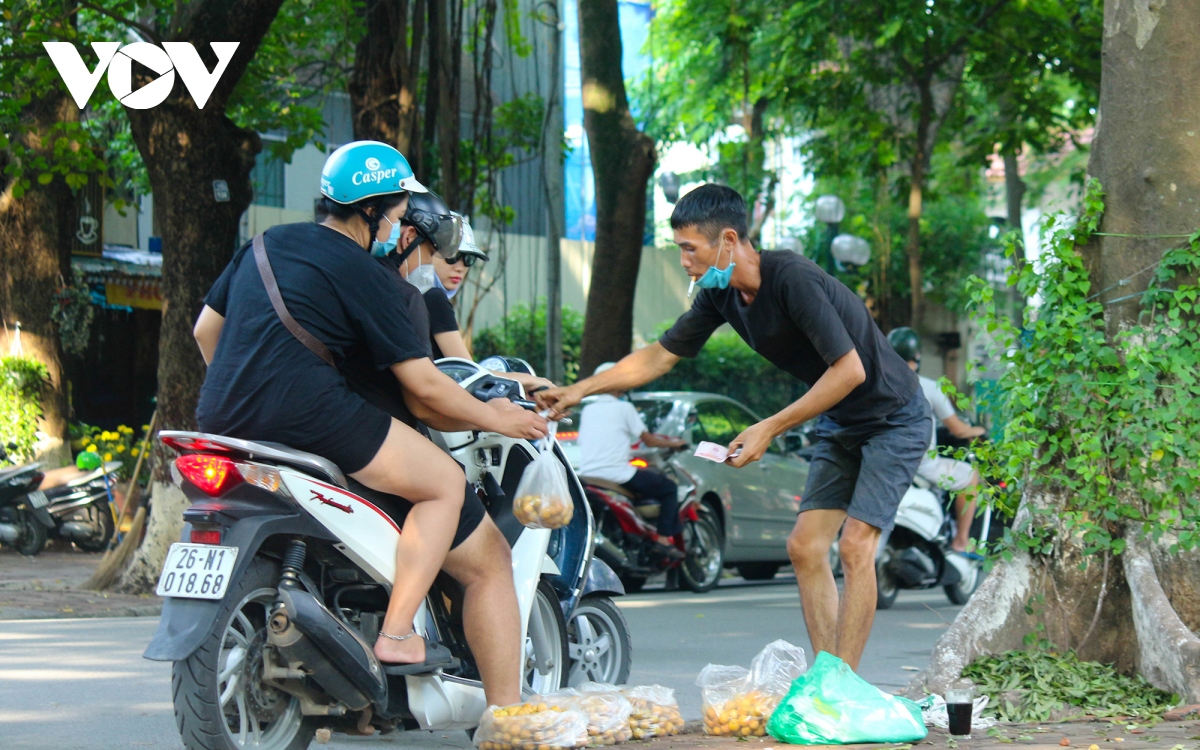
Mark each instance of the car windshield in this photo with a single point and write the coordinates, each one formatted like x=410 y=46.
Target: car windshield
x=654 y=412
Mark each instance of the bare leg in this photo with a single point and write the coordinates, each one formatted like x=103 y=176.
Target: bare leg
x=412 y=467
x=965 y=506
x=857 y=611
x=808 y=547
x=491 y=619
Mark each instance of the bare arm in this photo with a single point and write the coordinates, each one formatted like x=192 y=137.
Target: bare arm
x=636 y=369
x=440 y=395
x=662 y=441
x=843 y=376
x=208 y=332
x=960 y=429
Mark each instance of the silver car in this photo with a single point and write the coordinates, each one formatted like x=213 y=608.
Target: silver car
x=757 y=504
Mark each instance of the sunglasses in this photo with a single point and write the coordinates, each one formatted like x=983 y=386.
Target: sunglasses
x=467 y=259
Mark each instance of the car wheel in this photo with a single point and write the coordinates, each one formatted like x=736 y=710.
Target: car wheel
x=758 y=571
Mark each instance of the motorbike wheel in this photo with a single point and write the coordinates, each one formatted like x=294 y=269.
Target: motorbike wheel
x=757 y=571
x=547 y=634
x=221 y=702
x=886 y=586
x=600 y=644
x=960 y=593
x=100 y=515
x=33 y=534
x=705 y=546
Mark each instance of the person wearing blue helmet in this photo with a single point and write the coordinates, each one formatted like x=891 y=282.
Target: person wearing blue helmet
x=265 y=383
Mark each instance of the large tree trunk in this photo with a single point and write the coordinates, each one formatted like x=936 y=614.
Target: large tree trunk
x=35 y=255
x=1147 y=157
x=623 y=160
x=186 y=150
x=383 y=86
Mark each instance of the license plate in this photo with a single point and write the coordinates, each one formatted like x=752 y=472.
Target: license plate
x=197 y=571
x=37 y=499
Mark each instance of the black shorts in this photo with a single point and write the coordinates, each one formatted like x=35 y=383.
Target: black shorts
x=866 y=469
x=397 y=507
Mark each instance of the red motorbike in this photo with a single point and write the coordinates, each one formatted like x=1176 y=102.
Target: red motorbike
x=625 y=532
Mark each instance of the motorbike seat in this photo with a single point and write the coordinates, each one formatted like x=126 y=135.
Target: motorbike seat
x=646 y=510
x=17 y=471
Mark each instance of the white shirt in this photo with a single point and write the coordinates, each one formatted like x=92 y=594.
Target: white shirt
x=940 y=403
x=608 y=428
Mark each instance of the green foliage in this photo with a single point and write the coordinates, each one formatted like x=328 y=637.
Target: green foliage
x=522 y=333
x=22 y=381
x=515 y=138
x=119 y=445
x=1046 y=681
x=73 y=313
x=727 y=365
x=1105 y=424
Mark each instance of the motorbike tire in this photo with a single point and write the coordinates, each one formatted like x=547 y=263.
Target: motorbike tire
x=703 y=576
x=886 y=587
x=104 y=519
x=961 y=592
x=33 y=534
x=547 y=607
x=600 y=644
x=758 y=571
x=196 y=686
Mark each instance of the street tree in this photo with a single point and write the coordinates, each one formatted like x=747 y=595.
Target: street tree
x=623 y=160
x=1101 y=391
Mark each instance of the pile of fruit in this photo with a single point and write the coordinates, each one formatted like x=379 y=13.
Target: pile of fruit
x=543 y=511
x=655 y=712
x=607 y=713
x=532 y=726
x=743 y=715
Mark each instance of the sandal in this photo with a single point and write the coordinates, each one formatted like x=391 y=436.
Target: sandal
x=437 y=657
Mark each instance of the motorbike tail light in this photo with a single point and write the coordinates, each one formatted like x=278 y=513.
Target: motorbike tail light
x=639 y=463
x=206 y=536
x=263 y=477
x=213 y=475
x=566 y=437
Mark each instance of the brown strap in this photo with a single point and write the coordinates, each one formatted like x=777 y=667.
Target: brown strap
x=268 y=277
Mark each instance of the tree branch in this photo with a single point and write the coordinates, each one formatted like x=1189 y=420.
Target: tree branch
x=147 y=32
x=959 y=43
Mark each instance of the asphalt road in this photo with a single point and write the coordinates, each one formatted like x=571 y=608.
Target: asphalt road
x=68 y=684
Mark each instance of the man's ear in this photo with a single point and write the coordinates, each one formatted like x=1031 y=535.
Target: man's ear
x=730 y=236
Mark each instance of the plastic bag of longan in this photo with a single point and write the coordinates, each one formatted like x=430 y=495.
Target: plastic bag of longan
x=531 y=726
x=737 y=702
x=543 y=498
x=606 y=709
x=655 y=712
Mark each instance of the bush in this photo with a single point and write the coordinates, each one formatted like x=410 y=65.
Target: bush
x=522 y=333
x=120 y=445
x=21 y=382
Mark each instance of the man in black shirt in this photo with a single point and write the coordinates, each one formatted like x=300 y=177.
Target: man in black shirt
x=873 y=426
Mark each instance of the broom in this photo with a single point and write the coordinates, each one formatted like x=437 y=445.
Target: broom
x=114 y=559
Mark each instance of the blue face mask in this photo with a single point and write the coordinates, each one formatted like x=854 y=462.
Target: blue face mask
x=714 y=279
x=380 y=249
x=437 y=282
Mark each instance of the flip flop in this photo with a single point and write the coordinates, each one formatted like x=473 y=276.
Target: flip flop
x=971 y=555
x=437 y=657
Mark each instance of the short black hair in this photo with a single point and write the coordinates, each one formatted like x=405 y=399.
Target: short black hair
x=711 y=208
x=343 y=211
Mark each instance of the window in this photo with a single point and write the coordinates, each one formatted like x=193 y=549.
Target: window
x=654 y=412
x=267 y=178
x=720 y=422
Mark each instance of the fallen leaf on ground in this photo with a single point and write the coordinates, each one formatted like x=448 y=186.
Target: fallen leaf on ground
x=1065 y=742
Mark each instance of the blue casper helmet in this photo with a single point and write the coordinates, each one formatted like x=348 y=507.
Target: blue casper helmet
x=366 y=169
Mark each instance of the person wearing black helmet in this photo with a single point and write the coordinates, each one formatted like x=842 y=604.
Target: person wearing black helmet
x=872 y=421
x=955 y=476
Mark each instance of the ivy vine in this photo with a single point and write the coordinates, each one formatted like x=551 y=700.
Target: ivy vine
x=73 y=312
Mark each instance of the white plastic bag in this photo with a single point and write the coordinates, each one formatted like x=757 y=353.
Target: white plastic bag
x=737 y=702
x=531 y=726
x=606 y=709
x=543 y=498
x=655 y=712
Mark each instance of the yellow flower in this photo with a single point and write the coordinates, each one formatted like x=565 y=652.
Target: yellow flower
x=145 y=428
x=91 y=448
x=134 y=452
x=121 y=448
x=107 y=456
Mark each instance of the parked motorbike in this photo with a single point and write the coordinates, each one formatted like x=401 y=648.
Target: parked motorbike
x=24 y=521
x=280 y=584
x=81 y=506
x=625 y=537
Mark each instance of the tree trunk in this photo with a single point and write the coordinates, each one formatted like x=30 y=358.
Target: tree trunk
x=383 y=85
x=623 y=160
x=1014 y=189
x=446 y=67
x=1147 y=157
x=186 y=150
x=35 y=253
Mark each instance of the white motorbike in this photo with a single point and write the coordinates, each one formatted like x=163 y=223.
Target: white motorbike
x=279 y=586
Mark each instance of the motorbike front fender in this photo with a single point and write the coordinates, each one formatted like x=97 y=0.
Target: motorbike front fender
x=186 y=623
x=602 y=580
x=43 y=516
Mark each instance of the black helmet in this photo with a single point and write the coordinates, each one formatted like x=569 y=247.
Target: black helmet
x=434 y=222
x=906 y=342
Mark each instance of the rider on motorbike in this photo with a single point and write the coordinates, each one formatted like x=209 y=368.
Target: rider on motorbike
x=264 y=384
x=608 y=427
x=959 y=477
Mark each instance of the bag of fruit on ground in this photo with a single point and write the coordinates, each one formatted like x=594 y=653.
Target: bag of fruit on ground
x=607 y=711
x=531 y=726
x=737 y=702
x=655 y=712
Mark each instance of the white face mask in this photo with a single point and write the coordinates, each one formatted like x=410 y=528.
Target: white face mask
x=423 y=277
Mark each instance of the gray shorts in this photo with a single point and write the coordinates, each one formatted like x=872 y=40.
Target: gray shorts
x=866 y=469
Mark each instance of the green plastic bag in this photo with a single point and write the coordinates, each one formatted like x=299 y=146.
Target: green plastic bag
x=829 y=704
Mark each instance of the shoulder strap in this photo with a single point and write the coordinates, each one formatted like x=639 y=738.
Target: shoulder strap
x=268 y=277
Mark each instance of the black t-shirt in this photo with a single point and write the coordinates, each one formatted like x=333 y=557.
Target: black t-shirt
x=380 y=387
x=441 y=317
x=263 y=383
x=802 y=321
